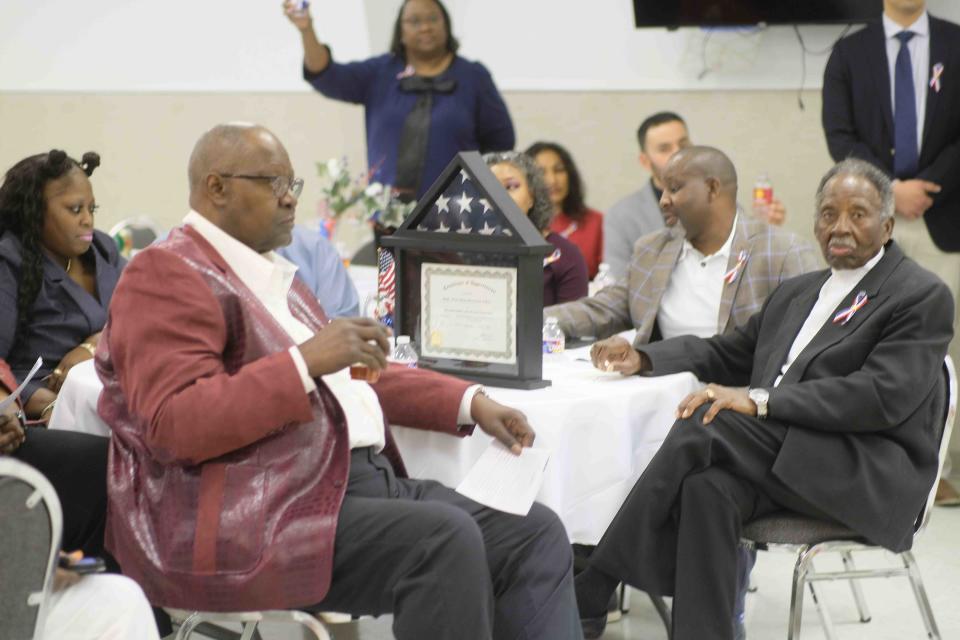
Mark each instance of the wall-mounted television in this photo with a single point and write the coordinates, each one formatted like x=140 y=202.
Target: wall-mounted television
x=732 y=13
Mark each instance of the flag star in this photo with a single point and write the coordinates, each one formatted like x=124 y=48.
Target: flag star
x=486 y=205
x=487 y=229
x=507 y=232
x=443 y=204
x=443 y=228
x=463 y=176
x=464 y=202
x=464 y=228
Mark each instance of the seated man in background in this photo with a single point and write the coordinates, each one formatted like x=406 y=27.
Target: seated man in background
x=321 y=269
x=249 y=471
x=842 y=367
x=702 y=277
x=660 y=136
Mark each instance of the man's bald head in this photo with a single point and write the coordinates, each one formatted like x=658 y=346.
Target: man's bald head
x=708 y=162
x=229 y=148
x=233 y=172
x=700 y=192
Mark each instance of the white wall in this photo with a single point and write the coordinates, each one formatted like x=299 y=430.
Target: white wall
x=248 y=46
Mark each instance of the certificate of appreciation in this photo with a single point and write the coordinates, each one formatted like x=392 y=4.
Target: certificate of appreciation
x=468 y=312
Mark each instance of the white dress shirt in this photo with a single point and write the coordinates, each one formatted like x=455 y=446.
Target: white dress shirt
x=691 y=303
x=919 y=47
x=837 y=287
x=270 y=276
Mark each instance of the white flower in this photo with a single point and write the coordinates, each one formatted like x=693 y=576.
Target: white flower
x=373 y=189
x=334 y=168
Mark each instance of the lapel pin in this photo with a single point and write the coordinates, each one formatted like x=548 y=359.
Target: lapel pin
x=935 y=80
x=731 y=275
x=844 y=316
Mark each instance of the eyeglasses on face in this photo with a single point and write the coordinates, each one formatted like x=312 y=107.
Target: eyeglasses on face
x=417 y=21
x=281 y=185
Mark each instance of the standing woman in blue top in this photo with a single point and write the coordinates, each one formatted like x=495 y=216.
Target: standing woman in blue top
x=423 y=102
x=57 y=273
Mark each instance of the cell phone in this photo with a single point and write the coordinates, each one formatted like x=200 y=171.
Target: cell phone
x=83 y=566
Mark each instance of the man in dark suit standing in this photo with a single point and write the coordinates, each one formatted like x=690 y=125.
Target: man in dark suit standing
x=841 y=366
x=891 y=97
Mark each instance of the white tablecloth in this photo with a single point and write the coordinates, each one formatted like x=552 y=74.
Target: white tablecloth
x=601 y=430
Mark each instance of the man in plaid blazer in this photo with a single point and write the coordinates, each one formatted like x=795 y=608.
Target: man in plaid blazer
x=704 y=276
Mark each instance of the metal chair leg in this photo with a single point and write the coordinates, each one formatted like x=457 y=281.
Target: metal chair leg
x=862 y=609
x=186 y=629
x=825 y=620
x=248 y=629
x=920 y=593
x=796 y=594
x=661 y=606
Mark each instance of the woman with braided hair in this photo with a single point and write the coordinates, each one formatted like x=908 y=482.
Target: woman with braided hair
x=57 y=273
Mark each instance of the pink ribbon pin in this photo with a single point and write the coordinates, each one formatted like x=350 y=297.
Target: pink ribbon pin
x=844 y=316
x=731 y=275
x=935 y=80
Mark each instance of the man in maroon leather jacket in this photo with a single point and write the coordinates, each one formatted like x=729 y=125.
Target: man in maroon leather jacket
x=236 y=481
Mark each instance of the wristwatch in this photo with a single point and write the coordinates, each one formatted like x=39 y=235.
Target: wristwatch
x=760 y=398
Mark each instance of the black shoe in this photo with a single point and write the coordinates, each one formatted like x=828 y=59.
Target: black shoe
x=593 y=627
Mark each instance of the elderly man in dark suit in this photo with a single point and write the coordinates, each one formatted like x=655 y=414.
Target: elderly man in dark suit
x=249 y=470
x=841 y=367
x=891 y=97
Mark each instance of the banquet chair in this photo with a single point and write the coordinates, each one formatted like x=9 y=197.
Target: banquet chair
x=31 y=524
x=809 y=537
x=134 y=234
x=209 y=623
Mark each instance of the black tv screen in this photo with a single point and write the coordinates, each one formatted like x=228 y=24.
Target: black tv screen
x=719 y=13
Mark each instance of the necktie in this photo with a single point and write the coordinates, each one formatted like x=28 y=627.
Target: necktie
x=412 y=151
x=906 y=154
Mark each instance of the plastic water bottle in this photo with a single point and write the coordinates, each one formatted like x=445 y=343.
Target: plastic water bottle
x=553 y=339
x=405 y=354
x=762 y=196
x=602 y=280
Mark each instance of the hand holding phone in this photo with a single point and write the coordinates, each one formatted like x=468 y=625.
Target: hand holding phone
x=81 y=565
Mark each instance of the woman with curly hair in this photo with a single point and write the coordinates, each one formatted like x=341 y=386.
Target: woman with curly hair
x=564 y=271
x=572 y=218
x=57 y=273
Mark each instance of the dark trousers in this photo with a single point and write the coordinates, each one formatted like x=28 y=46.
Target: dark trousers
x=677 y=533
x=76 y=465
x=445 y=566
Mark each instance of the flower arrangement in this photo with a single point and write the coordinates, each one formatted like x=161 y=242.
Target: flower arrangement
x=371 y=201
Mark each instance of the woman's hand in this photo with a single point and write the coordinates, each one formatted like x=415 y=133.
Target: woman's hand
x=74 y=357
x=299 y=17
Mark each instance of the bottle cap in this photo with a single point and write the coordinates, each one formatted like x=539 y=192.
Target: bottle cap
x=403 y=340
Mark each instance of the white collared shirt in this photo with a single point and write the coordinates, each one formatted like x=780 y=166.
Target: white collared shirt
x=269 y=276
x=691 y=303
x=919 y=47
x=837 y=287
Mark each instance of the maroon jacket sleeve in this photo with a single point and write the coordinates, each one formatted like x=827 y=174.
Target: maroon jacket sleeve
x=166 y=337
x=421 y=399
x=7 y=381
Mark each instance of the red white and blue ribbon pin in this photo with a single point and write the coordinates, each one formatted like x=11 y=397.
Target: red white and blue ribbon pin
x=935 y=79
x=731 y=275
x=553 y=257
x=843 y=317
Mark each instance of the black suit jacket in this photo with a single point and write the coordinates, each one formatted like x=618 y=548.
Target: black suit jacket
x=858 y=116
x=857 y=402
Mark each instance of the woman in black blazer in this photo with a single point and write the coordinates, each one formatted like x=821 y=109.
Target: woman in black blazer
x=57 y=273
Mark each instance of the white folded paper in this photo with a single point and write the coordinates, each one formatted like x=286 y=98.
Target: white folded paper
x=504 y=481
x=6 y=402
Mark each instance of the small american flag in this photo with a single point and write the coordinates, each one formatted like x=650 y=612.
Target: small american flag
x=386 y=286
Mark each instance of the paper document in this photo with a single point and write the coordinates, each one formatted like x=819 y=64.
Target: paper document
x=504 y=481
x=6 y=402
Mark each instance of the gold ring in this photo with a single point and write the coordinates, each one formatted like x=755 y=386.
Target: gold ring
x=710 y=394
x=58 y=372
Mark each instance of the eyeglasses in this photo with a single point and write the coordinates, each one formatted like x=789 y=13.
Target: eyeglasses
x=416 y=21
x=281 y=185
